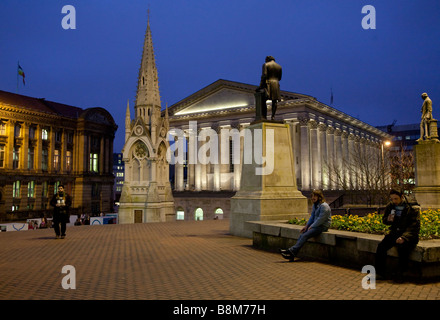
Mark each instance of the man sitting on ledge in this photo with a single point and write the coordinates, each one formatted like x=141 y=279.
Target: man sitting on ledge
x=319 y=221
x=404 y=221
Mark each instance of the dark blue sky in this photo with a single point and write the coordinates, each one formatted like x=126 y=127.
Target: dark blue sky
x=376 y=75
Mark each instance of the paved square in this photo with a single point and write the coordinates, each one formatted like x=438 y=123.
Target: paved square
x=194 y=260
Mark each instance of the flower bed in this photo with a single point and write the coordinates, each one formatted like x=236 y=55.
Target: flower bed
x=372 y=223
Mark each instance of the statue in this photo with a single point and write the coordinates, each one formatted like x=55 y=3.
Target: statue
x=425 y=131
x=270 y=85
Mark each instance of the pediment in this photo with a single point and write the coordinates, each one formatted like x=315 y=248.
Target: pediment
x=222 y=99
x=222 y=95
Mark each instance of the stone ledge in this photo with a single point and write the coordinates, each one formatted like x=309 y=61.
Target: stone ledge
x=344 y=247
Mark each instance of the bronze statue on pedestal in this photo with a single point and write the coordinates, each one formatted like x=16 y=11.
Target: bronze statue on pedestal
x=269 y=88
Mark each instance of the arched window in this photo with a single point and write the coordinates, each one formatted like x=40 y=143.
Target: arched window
x=198 y=216
x=218 y=213
x=180 y=214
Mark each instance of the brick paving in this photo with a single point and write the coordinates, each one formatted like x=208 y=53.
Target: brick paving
x=196 y=260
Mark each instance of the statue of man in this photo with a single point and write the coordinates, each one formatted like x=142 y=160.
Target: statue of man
x=426 y=117
x=270 y=82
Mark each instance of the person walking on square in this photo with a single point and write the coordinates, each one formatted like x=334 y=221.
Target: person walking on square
x=404 y=221
x=319 y=221
x=61 y=202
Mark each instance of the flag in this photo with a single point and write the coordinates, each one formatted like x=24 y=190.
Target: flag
x=21 y=73
x=331 y=96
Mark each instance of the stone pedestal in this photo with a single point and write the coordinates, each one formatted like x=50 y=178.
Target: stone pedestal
x=427 y=167
x=271 y=193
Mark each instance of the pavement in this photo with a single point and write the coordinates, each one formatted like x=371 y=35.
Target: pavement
x=184 y=260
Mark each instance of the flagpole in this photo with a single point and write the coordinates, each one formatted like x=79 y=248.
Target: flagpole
x=18 y=63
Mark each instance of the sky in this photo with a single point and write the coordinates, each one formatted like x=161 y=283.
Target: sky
x=376 y=75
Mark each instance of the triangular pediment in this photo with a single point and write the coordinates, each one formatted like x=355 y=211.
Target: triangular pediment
x=221 y=95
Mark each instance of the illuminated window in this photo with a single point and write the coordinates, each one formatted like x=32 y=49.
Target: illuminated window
x=44 y=134
x=180 y=214
x=31 y=189
x=94 y=162
x=68 y=160
x=56 y=160
x=199 y=214
x=16 y=189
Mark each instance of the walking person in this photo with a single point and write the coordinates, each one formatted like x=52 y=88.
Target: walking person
x=61 y=202
x=319 y=221
x=404 y=221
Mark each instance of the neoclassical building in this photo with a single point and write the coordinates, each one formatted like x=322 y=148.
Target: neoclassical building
x=44 y=144
x=323 y=139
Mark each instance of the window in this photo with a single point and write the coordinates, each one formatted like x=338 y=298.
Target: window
x=70 y=137
x=2 y=156
x=17 y=130
x=44 y=134
x=15 y=157
x=55 y=186
x=16 y=189
x=30 y=158
x=31 y=132
x=58 y=136
x=2 y=128
x=180 y=214
x=198 y=214
x=44 y=159
x=31 y=189
x=44 y=189
x=68 y=160
x=94 y=162
x=56 y=160
x=219 y=213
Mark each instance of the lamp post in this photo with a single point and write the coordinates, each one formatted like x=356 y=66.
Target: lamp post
x=384 y=144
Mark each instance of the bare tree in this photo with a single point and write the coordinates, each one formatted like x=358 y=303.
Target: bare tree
x=366 y=171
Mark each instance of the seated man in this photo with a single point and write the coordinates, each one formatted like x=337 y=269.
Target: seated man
x=403 y=234
x=319 y=221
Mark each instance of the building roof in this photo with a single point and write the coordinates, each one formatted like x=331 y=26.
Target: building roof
x=39 y=105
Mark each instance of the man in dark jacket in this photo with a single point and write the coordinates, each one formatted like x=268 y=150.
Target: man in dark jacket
x=61 y=202
x=404 y=221
x=270 y=82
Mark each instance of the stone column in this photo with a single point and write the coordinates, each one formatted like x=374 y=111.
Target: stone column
x=352 y=181
x=331 y=156
x=345 y=159
x=322 y=137
x=338 y=158
x=305 y=154
x=315 y=156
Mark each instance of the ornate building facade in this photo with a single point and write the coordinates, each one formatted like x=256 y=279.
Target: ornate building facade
x=44 y=144
x=146 y=193
x=322 y=138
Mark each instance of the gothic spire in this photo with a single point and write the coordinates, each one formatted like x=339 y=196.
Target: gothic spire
x=147 y=96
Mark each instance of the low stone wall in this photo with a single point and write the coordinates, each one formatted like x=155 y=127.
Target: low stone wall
x=345 y=248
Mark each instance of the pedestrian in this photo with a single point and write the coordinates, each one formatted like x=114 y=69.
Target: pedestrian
x=319 y=221
x=61 y=202
x=404 y=221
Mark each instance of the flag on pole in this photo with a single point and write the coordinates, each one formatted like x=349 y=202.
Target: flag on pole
x=331 y=96
x=21 y=73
